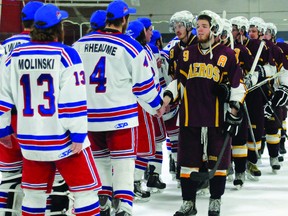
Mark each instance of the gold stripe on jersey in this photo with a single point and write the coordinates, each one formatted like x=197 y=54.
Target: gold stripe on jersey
x=239 y=151
x=186 y=108
x=217 y=112
x=220 y=173
x=251 y=145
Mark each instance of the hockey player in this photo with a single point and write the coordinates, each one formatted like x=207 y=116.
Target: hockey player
x=115 y=64
x=43 y=79
x=154 y=181
x=181 y=24
x=254 y=99
x=10 y=153
x=282 y=150
x=277 y=98
x=200 y=70
x=240 y=27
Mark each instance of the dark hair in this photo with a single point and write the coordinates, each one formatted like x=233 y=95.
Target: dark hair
x=28 y=23
x=205 y=17
x=49 y=34
x=116 y=22
x=142 y=38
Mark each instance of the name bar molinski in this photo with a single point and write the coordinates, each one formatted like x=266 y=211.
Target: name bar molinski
x=37 y=63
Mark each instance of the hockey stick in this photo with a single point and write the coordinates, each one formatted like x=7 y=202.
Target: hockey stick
x=266 y=80
x=252 y=70
x=250 y=128
x=202 y=176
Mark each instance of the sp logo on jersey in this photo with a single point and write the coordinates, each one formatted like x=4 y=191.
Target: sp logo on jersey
x=65 y=153
x=121 y=125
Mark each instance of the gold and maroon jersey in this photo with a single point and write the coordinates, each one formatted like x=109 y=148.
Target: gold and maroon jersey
x=200 y=75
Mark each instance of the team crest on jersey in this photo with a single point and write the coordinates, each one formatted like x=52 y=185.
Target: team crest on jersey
x=65 y=153
x=121 y=125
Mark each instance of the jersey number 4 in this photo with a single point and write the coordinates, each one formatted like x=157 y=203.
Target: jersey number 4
x=98 y=76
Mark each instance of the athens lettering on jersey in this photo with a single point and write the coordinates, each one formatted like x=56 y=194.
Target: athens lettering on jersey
x=43 y=63
x=204 y=71
x=111 y=50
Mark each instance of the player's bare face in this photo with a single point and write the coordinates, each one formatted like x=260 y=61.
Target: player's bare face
x=253 y=33
x=149 y=33
x=203 y=31
x=268 y=35
x=235 y=32
x=180 y=30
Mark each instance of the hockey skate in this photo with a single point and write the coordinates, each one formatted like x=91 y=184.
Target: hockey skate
x=214 y=207
x=239 y=180
x=274 y=163
x=154 y=183
x=253 y=172
x=139 y=193
x=105 y=205
x=120 y=209
x=186 y=209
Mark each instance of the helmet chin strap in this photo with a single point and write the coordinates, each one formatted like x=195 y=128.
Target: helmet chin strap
x=210 y=44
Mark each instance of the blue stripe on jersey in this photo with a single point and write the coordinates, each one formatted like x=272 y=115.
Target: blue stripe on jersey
x=44 y=148
x=155 y=102
x=113 y=118
x=72 y=115
x=6 y=131
x=73 y=104
x=113 y=114
x=33 y=210
x=5 y=104
x=16 y=37
x=121 y=108
x=144 y=87
x=87 y=209
x=78 y=137
x=43 y=137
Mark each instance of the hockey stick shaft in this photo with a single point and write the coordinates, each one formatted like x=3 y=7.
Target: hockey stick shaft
x=201 y=176
x=265 y=81
x=250 y=128
x=257 y=57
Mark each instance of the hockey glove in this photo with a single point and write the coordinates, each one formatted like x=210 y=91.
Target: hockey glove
x=223 y=92
x=280 y=97
x=232 y=123
x=261 y=71
x=251 y=80
x=268 y=110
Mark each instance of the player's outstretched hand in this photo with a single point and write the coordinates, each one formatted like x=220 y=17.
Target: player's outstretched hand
x=76 y=147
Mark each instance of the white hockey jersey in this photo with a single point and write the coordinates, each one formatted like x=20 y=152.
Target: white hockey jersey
x=10 y=43
x=46 y=83
x=117 y=71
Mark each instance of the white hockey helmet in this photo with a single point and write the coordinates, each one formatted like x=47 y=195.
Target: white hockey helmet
x=216 y=21
x=241 y=22
x=258 y=23
x=185 y=17
x=227 y=26
x=272 y=27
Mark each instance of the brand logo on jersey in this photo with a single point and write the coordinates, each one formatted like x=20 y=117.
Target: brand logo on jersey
x=121 y=125
x=65 y=153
